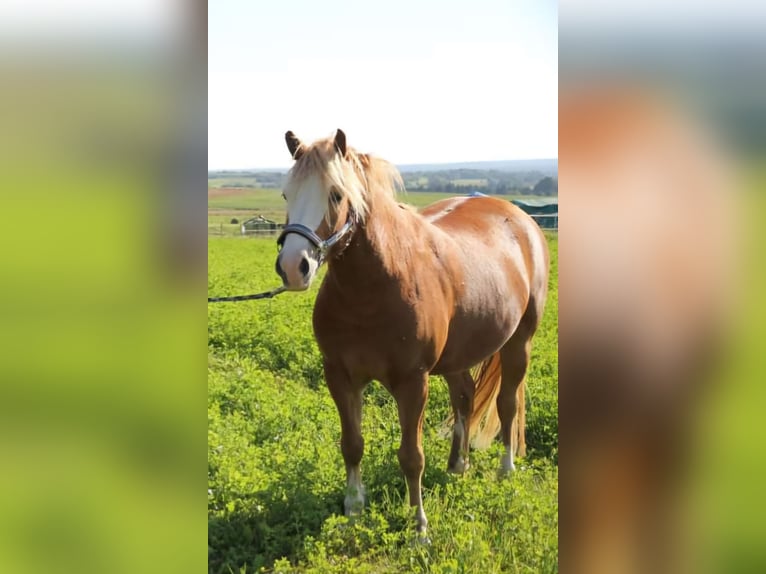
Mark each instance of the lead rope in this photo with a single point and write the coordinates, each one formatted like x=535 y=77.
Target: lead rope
x=264 y=295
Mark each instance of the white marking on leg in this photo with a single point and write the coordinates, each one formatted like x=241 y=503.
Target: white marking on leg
x=354 y=501
x=421 y=522
x=506 y=460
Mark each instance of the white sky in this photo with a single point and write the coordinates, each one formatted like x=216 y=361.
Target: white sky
x=54 y=19
x=413 y=82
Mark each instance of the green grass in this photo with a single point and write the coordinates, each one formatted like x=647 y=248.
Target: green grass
x=260 y=199
x=276 y=476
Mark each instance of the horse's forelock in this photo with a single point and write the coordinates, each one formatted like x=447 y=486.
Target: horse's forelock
x=355 y=176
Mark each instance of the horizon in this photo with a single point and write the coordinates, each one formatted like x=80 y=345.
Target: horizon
x=398 y=165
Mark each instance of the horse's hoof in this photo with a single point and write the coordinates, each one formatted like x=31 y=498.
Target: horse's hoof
x=506 y=465
x=421 y=539
x=459 y=467
x=505 y=472
x=353 y=506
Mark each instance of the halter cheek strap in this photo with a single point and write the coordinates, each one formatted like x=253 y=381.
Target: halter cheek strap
x=323 y=246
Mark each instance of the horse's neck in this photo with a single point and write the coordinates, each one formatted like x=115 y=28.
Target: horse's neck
x=378 y=250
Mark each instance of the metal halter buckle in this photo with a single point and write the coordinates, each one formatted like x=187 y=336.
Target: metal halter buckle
x=323 y=246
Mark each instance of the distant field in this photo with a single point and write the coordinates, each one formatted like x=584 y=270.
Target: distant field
x=243 y=181
x=225 y=204
x=260 y=199
x=271 y=199
x=470 y=182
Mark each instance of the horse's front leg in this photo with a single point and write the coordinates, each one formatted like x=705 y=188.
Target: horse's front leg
x=347 y=395
x=411 y=394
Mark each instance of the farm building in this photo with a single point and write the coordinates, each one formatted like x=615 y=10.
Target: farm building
x=544 y=211
x=259 y=224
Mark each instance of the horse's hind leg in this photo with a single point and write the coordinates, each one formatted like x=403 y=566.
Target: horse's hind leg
x=411 y=395
x=461 y=391
x=348 y=398
x=514 y=357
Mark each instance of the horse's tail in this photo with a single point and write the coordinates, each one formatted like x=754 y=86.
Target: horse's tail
x=485 y=423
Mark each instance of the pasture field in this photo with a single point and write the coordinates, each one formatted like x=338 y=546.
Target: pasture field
x=232 y=181
x=470 y=182
x=251 y=199
x=242 y=204
x=226 y=203
x=275 y=472
x=271 y=199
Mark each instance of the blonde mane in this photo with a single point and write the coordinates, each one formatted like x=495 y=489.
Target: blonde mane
x=359 y=178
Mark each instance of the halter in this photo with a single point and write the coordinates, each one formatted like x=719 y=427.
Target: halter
x=322 y=246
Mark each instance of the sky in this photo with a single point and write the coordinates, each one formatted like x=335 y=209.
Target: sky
x=54 y=19
x=413 y=82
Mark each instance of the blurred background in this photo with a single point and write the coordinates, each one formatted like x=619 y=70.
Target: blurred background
x=662 y=109
x=102 y=281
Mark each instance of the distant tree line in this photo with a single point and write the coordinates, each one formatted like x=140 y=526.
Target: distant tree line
x=493 y=182
x=546 y=186
x=489 y=182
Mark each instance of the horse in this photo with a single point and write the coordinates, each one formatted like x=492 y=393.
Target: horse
x=457 y=289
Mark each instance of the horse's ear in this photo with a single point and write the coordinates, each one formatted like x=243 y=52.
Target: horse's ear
x=340 y=142
x=294 y=145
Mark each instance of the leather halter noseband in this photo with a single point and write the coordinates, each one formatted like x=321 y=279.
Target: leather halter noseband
x=322 y=246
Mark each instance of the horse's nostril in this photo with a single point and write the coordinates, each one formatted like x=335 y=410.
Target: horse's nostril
x=304 y=267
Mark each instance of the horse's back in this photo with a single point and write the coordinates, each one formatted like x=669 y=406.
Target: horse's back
x=484 y=225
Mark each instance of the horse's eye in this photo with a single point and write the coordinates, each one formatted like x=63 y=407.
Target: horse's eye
x=335 y=196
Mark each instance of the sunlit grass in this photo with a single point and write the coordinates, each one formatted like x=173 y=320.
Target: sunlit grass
x=276 y=475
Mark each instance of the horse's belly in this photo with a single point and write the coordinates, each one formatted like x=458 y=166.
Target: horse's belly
x=471 y=340
x=486 y=316
x=376 y=351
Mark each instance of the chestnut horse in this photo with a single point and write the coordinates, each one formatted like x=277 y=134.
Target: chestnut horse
x=407 y=294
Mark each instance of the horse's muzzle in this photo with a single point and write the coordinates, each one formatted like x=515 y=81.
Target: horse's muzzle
x=296 y=273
